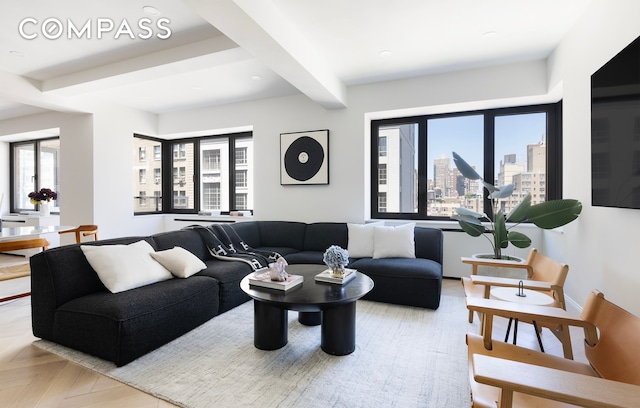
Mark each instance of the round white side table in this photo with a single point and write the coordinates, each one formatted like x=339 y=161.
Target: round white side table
x=532 y=297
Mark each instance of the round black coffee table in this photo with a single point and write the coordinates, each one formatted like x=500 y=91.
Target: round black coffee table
x=331 y=305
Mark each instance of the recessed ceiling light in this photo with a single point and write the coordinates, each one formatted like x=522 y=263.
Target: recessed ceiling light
x=17 y=53
x=256 y=77
x=384 y=53
x=152 y=11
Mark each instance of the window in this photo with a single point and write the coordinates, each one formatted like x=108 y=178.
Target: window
x=382 y=173
x=180 y=199
x=382 y=202
x=382 y=146
x=35 y=164
x=211 y=160
x=183 y=168
x=241 y=155
x=414 y=176
x=180 y=151
x=143 y=168
x=241 y=178
x=212 y=173
x=211 y=196
x=143 y=198
x=241 y=201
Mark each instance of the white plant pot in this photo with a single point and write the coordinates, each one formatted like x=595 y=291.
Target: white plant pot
x=500 y=272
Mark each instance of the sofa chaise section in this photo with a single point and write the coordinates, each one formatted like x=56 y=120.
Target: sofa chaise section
x=71 y=306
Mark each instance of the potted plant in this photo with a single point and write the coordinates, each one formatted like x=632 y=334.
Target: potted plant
x=42 y=198
x=546 y=215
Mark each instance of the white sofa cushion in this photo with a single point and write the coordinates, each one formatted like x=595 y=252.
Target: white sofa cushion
x=124 y=267
x=179 y=261
x=360 y=244
x=394 y=242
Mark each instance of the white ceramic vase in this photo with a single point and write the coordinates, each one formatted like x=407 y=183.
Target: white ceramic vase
x=45 y=210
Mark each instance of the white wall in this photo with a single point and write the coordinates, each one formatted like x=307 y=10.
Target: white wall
x=600 y=247
x=113 y=130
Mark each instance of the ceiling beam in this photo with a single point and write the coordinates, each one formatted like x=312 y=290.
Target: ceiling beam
x=260 y=29
x=26 y=91
x=199 y=55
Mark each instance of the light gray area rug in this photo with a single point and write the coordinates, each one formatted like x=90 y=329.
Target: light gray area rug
x=404 y=357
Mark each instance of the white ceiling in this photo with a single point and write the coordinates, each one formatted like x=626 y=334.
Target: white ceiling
x=217 y=48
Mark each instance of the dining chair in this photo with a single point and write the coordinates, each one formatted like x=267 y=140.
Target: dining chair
x=20 y=270
x=84 y=231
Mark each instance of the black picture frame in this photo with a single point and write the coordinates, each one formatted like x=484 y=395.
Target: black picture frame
x=304 y=158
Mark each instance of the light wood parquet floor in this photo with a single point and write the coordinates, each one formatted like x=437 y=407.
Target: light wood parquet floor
x=30 y=377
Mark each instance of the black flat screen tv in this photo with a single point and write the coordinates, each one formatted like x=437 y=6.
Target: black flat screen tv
x=615 y=130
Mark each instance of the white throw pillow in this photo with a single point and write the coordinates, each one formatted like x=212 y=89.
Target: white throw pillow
x=394 y=242
x=360 y=244
x=180 y=262
x=124 y=267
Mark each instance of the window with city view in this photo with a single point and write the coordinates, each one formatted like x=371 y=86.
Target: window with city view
x=414 y=177
x=206 y=175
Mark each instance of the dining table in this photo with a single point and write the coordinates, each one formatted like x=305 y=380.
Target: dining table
x=28 y=232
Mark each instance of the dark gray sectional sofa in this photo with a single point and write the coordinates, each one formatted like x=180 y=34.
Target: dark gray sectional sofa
x=71 y=306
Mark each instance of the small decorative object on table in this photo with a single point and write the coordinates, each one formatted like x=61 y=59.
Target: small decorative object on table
x=262 y=278
x=327 y=276
x=336 y=258
x=277 y=272
x=43 y=197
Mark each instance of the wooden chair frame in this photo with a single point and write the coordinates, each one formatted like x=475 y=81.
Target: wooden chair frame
x=86 y=231
x=509 y=374
x=6 y=246
x=545 y=275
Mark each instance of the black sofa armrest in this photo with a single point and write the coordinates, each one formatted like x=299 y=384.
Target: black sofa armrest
x=429 y=243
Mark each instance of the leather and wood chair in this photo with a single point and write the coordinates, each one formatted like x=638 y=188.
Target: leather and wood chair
x=86 y=230
x=507 y=375
x=544 y=274
x=20 y=270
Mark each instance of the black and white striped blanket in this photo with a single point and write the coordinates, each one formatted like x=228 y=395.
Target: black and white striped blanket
x=225 y=244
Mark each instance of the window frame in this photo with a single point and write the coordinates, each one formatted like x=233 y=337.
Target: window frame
x=37 y=170
x=553 y=175
x=167 y=187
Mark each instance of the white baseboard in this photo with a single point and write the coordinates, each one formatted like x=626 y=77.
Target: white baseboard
x=572 y=306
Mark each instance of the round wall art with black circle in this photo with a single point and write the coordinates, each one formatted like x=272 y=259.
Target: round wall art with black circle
x=304 y=157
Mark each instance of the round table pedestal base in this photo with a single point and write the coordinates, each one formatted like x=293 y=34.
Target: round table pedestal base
x=269 y=326
x=310 y=318
x=339 y=330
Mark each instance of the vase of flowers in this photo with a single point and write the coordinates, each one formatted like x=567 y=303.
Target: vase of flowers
x=42 y=198
x=336 y=258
